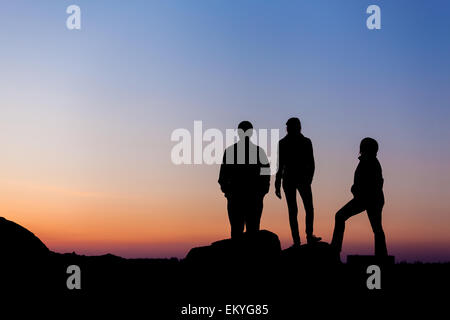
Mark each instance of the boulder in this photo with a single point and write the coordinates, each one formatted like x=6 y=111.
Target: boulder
x=316 y=254
x=19 y=243
x=260 y=246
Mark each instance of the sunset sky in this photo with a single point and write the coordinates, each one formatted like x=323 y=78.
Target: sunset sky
x=86 y=117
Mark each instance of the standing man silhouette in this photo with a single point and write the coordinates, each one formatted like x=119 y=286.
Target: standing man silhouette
x=296 y=169
x=368 y=195
x=244 y=179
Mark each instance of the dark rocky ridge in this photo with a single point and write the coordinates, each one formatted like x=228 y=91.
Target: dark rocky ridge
x=251 y=270
x=16 y=241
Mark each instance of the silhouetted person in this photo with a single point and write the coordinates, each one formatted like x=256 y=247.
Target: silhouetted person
x=296 y=169
x=368 y=195
x=244 y=179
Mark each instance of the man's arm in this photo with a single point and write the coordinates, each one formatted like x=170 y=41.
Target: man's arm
x=264 y=171
x=280 y=167
x=224 y=174
x=311 y=162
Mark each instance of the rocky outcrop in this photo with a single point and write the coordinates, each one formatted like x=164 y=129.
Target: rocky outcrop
x=261 y=246
x=18 y=242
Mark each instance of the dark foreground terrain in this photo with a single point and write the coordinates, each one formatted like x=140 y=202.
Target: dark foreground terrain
x=251 y=278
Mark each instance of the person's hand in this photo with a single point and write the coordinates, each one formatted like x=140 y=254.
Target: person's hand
x=278 y=193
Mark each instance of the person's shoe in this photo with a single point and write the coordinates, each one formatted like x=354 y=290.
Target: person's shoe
x=313 y=239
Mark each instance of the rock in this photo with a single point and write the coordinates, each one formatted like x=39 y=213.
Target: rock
x=317 y=254
x=17 y=242
x=261 y=246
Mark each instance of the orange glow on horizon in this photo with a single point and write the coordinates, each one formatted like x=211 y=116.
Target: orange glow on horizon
x=96 y=223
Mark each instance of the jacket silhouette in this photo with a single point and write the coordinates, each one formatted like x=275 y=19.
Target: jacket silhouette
x=368 y=196
x=368 y=181
x=295 y=160
x=296 y=170
x=244 y=179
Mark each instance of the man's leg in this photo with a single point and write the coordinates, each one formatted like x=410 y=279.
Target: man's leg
x=306 y=194
x=352 y=208
x=290 y=193
x=253 y=213
x=250 y=215
x=259 y=209
x=374 y=213
x=235 y=216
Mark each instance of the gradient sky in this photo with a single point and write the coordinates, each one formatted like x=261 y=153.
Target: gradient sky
x=86 y=116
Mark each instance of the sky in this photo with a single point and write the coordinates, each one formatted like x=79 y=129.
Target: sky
x=86 y=117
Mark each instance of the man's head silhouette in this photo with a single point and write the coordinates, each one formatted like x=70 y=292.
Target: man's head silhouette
x=245 y=129
x=368 y=147
x=293 y=126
